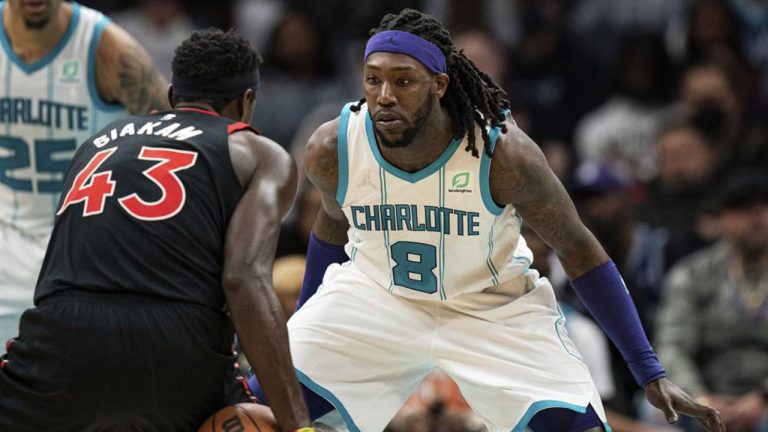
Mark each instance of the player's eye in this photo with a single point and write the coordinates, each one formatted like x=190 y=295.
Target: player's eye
x=372 y=80
x=404 y=81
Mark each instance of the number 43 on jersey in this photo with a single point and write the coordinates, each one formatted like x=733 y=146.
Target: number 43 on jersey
x=93 y=189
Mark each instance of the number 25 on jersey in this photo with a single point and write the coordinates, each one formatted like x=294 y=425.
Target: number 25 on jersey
x=93 y=189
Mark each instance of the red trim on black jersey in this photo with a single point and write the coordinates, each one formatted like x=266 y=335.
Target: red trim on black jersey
x=199 y=110
x=244 y=382
x=238 y=126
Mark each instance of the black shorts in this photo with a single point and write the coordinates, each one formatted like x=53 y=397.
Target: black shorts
x=88 y=362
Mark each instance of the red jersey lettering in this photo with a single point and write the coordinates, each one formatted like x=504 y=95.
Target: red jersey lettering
x=163 y=174
x=95 y=192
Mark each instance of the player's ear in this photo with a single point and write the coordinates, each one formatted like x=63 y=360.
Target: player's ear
x=170 y=95
x=245 y=106
x=441 y=84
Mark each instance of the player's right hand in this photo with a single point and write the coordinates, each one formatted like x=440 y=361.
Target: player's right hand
x=671 y=399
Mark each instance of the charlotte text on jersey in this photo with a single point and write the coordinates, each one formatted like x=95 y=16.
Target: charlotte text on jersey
x=396 y=217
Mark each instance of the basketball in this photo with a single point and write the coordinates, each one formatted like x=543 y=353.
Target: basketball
x=244 y=417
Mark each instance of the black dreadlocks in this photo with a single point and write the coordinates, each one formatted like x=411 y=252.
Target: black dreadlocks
x=472 y=96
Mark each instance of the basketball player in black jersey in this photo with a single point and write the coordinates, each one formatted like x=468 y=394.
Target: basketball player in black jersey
x=162 y=248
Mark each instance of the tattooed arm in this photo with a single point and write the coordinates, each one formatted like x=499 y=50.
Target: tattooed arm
x=520 y=176
x=322 y=168
x=125 y=74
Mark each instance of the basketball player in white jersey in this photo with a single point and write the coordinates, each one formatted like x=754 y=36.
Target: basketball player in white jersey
x=426 y=180
x=65 y=72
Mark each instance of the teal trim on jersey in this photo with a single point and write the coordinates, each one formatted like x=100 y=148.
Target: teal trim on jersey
x=34 y=67
x=397 y=172
x=442 y=235
x=385 y=230
x=489 y=259
x=557 y=332
x=519 y=218
x=341 y=189
x=98 y=102
x=522 y=258
x=328 y=396
x=485 y=169
x=542 y=405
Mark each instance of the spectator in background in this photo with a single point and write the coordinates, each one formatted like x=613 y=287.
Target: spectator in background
x=712 y=95
x=297 y=76
x=485 y=52
x=344 y=20
x=720 y=31
x=753 y=23
x=712 y=332
x=688 y=163
x=256 y=19
x=160 y=26
x=709 y=29
x=621 y=131
x=499 y=18
x=597 y=25
x=549 y=86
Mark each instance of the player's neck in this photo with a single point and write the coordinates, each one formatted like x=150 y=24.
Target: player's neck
x=431 y=141
x=31 y=45
x=195 y=105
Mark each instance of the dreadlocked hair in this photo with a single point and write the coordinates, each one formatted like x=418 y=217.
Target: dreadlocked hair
x=209 y=55
x=472 y=97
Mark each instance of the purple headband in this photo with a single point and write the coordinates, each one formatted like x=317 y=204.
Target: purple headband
x=395 y=41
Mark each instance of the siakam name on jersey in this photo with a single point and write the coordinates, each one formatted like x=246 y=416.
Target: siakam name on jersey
x=156 y=128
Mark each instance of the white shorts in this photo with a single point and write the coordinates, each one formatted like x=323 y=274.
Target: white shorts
x=20 y=260
x=365 y=350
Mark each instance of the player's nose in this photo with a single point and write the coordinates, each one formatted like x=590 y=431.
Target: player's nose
x=386 y=96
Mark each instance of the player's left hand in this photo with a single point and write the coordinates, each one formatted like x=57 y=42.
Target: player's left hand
x=671 y=399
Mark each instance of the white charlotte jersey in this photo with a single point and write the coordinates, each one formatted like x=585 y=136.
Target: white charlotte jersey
x=47 y=109
x=432 y=234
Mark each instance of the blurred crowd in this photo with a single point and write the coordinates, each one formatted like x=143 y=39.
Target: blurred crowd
x=651 y=112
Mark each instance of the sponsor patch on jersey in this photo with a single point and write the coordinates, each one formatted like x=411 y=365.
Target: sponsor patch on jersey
x=459 y=182
x=70 y=72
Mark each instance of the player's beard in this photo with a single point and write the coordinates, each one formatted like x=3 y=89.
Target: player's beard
x=36 y=25
x=40 y=22
x=418 y=123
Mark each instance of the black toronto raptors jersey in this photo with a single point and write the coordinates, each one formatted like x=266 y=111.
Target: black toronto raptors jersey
x=145 y=208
